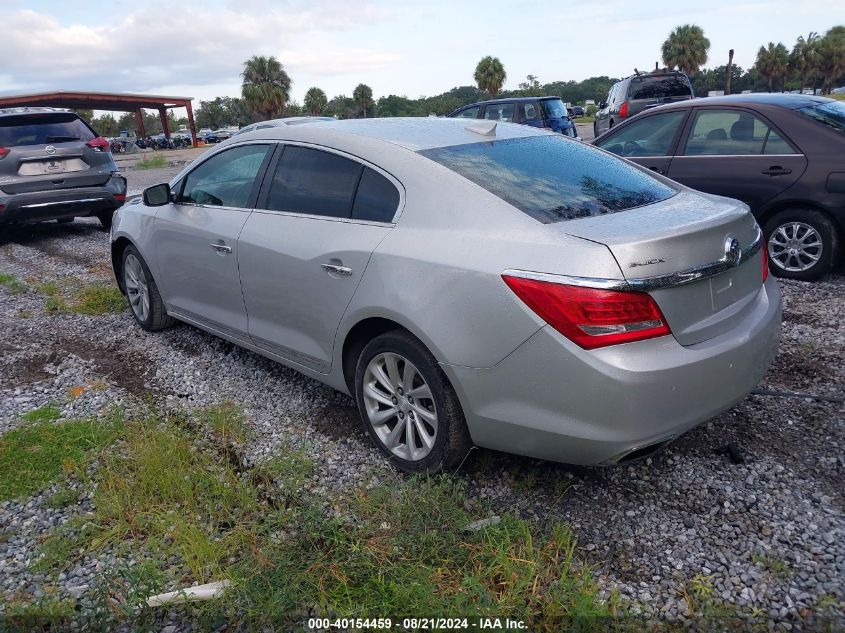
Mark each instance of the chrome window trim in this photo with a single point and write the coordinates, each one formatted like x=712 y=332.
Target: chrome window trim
x=325 y=218
x=736 y=155
x=648 y=284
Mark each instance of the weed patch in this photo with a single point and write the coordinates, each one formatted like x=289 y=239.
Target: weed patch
x=11 y=282
x=154 y=162
x=91 y=299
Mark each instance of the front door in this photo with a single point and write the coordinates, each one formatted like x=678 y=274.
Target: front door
x=303 y=251
x=735 y=153
x=196 y=239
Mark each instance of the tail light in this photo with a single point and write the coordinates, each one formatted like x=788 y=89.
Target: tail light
x=623 y=109
x=99 y=144
x=765 y=257
x=590 y=317
x=3 y=151
x=120 y=197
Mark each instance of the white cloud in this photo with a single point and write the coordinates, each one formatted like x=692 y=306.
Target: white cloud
x=142 y=51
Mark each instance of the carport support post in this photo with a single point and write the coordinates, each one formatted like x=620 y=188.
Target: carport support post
x=139 y=120
x=165 y=127
x=191 y=123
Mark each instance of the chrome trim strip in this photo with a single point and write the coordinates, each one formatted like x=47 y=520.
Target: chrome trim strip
x=53 y=204
x=647 y=284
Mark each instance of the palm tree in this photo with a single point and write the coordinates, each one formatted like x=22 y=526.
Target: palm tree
x=831 y=49
x=728 y=72
x=804 y=59
x=686 y=49
x=363 y=96
x=315 y=101
x=490 y=75
x=266 y=86
x=772 y=62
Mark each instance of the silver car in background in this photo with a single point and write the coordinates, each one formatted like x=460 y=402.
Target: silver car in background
x=467 y=282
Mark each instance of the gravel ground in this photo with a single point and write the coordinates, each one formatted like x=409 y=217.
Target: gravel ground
x=766 y=535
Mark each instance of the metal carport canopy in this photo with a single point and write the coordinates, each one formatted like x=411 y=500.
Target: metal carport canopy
x=116 y=101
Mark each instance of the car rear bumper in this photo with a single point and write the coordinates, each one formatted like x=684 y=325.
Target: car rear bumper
x=62 y=203
x=552 y=400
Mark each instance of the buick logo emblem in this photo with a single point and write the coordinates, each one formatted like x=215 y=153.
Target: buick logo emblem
x=50 y=150
x=732 y=252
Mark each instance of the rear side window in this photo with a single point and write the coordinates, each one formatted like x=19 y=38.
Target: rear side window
x=376 y=200
x=469 y=113
x=41 y=129
x=659 y=87
x=551 y=178
x=733 y=133
x=314 y=182
x=499 y=112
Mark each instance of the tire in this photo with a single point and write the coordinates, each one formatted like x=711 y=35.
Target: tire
x=105 y=218
x=595 y=129
x=448 y=443
x=812 y=235
x=138 y=276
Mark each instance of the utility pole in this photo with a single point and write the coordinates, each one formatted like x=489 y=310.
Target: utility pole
x=728 y=72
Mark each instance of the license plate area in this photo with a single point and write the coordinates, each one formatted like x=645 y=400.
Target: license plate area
x=51 y=166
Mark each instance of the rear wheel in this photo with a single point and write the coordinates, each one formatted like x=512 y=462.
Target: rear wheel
x=801 y=243
x=142 y=292
x=595 y=129
x=407 y=405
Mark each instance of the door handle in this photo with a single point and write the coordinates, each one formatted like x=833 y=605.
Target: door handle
x=657 y=169
x=221 y=248
x=346 y=271
x=776 y=170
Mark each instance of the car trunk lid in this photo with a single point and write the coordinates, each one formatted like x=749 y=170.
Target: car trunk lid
x=665 y=249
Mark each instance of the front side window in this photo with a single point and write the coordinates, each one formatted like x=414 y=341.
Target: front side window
x=649 y=136
x=529 y=112
x=226 y=179
x=554 y=108
x=731 y=133
x=499 y=112
x=551 y=178
x=469 y=113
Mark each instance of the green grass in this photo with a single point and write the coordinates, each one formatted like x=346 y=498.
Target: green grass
x=39 y=452
x=45 y=614
x=778 y=568
x=46 y=413
x=11 y=282
x=92 y=299
x=154 y=162
x=99 y=298
x=169 y=494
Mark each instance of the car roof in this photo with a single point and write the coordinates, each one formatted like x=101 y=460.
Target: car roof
x=775 y=99
x=413 y=133
x=33 y=110
x=509 y=100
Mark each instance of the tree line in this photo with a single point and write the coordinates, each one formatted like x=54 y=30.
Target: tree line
x=814 y=62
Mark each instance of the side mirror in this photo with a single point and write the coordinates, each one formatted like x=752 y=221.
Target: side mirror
x=157 y=195
x=602 y=105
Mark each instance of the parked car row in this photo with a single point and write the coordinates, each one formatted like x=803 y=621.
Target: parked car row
x=781 y=154
x=542 y=112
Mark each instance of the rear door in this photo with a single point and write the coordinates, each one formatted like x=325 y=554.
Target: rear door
x=196 y=239
x=51 y=150
x=304 y=250
x=736 y=153
x=649 y=140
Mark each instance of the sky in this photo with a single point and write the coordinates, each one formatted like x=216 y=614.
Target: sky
x=197 y=48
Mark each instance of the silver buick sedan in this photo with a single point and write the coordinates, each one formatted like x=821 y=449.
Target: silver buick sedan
x=467 y=282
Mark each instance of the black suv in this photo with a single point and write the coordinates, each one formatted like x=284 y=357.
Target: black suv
x=544 y=112
x=53 y=166
x=640 y=92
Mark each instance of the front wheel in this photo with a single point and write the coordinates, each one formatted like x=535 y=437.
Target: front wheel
x=407 y=405
x=142 y=292
x=801 y=243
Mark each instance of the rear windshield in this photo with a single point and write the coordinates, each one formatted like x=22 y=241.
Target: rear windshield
x=40 y=129
x=831 y=114
x=551 y=178
x=554 y=108
x=659 y=87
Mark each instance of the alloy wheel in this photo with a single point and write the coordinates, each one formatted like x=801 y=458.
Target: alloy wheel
x=137 y=290
x=795 y=246
x=400 y=406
